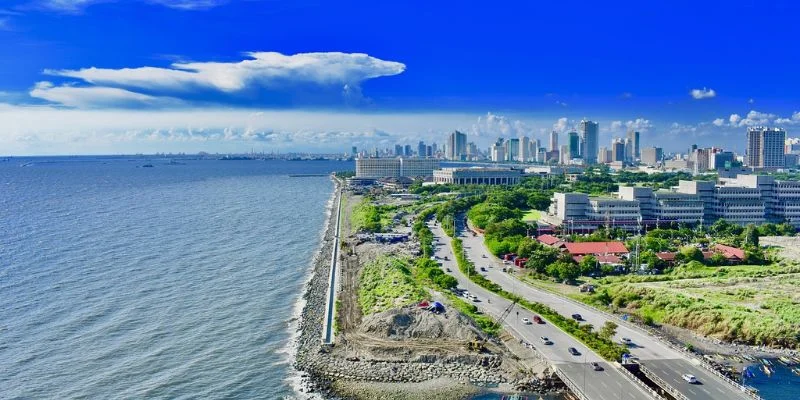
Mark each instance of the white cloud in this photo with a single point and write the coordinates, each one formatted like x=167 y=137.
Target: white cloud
x=493 y=126
x=96 y=97
x=794 y=119
x=719 y=122
x=561 y=125
x=750 y=101
x=268 y=69
x=699 y=94
x=76 y=6
x=639 y=124
x=734 y=119
x=615 y=126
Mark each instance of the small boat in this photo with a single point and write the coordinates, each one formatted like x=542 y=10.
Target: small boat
x=766 y=370
x=796 y=371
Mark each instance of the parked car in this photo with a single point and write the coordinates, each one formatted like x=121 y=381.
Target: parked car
x=573 y=351
x=577 y=317
x=596 y=366
x=526 y=321
x=545 y=340
x=483 y=256
x=689 y=378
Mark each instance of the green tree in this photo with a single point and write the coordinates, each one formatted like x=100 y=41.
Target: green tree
x=750 y=235
x=527 y=246
x=608 y=330
x=691 y=253
x=540 y=259
x=588 y=264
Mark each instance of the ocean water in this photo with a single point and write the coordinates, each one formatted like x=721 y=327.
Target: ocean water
x=176 y=281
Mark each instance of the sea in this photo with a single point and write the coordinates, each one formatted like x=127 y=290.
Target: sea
x=164 y=278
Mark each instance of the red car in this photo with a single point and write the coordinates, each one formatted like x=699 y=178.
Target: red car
x=538 y=319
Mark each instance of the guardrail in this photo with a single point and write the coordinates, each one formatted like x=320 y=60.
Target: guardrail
x=657 y=335
x=570 y=384
x=662 y=384
x=653 y=394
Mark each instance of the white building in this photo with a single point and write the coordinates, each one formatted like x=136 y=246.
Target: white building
x=765 y=147
x=395 y=167
x=524 y=149
x=477 y=176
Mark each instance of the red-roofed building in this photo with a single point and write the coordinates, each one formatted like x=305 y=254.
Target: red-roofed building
x=548 y=240
x=596 y=248
x=732 y=254
x=602 y=259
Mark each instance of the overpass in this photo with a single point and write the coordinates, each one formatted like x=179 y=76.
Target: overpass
x=663 y=363
x=614 y=382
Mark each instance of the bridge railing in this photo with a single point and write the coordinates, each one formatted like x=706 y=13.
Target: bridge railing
x=653 y=394
x=570 y=384
x=662 y=384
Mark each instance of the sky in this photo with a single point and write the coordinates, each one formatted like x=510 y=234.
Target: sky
x=144 y=76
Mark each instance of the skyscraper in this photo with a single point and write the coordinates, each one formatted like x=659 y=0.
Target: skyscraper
x=589 y=132
x=456 y=146
x=498 y=153
x=524 y=149
x=398 y=150
x=633 y=138
x=422 y=149
x=574 y=145
x=512 y=153
x=618 y=150
x=765 y=147
x=408 y=150
x=652 y=156
x=553 y=141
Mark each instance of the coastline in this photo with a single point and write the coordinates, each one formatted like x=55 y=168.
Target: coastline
x=307 y=329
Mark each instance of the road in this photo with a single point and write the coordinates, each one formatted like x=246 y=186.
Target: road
x=330 y=312
x=608 y=384
x=659 y=358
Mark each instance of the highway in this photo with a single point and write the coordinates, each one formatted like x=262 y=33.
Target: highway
x=668 y=364
x=608 y=384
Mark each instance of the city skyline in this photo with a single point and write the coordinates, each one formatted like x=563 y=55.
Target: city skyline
x=156 y=83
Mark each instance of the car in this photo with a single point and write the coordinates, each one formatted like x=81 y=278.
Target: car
x=626 y=341
x=538 y=319
x=448 y=270
x=596 y=366
x=526 y=321
x=577 y=317
x=483 y=269
x=545 y=340
x=573 y=351
x=689 y=378
x=475 y=298
x=446 y=259
x=483 y=256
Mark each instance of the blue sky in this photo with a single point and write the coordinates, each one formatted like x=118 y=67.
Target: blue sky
x=99 y=76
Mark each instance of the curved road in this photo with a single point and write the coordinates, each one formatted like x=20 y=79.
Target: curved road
x=666 y=363
x=608 y=384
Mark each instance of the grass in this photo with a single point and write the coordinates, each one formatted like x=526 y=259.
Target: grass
x=532 y=216
x=386 y=282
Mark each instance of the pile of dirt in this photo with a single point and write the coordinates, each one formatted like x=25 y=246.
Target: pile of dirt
x=412 y=322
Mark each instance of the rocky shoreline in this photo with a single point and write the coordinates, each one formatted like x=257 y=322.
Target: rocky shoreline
x=333 y=376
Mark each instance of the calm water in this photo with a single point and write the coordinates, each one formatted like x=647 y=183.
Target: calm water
x=177 y=281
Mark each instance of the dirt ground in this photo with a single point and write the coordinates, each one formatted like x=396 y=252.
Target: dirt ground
x=789 y=246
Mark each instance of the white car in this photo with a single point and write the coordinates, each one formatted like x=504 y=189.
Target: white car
x=526 y=321
x=626 y=341
x=689 y=378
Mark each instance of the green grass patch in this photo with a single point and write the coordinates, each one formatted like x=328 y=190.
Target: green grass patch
x=483 y=321
x=387 y=283
x=532 y=216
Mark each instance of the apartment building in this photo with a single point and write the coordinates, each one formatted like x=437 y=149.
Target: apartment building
x=395 y=167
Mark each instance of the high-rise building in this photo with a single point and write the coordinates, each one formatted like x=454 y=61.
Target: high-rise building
x=498 y=153
x=434 y=148
x=353 y=151
x=524 y=149
x=429 y=151
x=701 y=160
x=618 y=151
x=652 y=156
x=574 y=145
x=456 y=146
x=721 y=160
x=553 y=141
x=589 y=131
x=564 y=155
x=407 y=151
x=422 y=150
x=765 y=147
x=603 y=155
x=633 y=138
x=398 y=150
x=512 y=152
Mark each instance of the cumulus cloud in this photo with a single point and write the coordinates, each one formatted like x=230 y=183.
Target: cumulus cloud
x=639 y=124
x=561 y=125
x=793 y=120
x=94 y=97
x=704 y=93
x=493 y=126
x=719 y=122
x=262 y=68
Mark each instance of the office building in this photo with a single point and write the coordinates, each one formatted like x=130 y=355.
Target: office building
x=524 y=149
x=633 y=141
x=589 y=131
x=618 y=151
x=353 y=151
x=498 y=153
x=721 y=160
x=746 y=199
x=604 y=155
x=652 y=156
x=477 y=176
x=574 y=142
x=765 y=147
x=398 y=150
x=564 y=158
x=701 y=157
x=395 y=167
x=553 y=141
x=456 y=146
x=512 y=149
x=422 y=150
